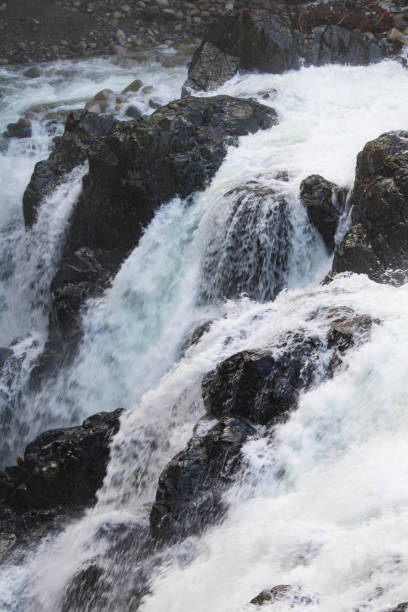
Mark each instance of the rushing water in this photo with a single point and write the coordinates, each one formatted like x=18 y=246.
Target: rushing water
x=335 y=525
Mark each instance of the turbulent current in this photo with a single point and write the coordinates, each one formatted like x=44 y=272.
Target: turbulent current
x=324 y=506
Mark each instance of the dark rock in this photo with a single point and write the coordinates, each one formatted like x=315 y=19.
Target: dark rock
x=83 y=130
x=189 y=492
x=62 y=471
x=377 y=243
x=21 y=129
x=249 y=246
x=133 y=87
x=138 y=166
x=33 y=72
x=277 y=593
x=294 y=596
x=224 y=66
x=401 y=608
x=133 y=112
x=5 y=354
x=324 y=203
x=265 y=39
x=257 y=386
x=195 y=336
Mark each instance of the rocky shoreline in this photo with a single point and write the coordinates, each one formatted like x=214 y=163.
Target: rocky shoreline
x=47 y=30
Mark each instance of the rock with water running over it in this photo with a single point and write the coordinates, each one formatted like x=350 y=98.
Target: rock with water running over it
x=61 y=471
x=249 y=246
x=377 y=243
x=138 y=166
x=83 y=130
x=266 y=39
x=324 y=202
x=21 y=129
x=293 y=595
x=243 y=391
x=260 y=387
x=189 y=492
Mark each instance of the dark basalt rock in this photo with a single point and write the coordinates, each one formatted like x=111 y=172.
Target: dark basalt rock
x=259 y=387
x=189 y=493
x=377 y=243
x=266 y=39
x=61 y=471
x=324 y=202
x=83 y=130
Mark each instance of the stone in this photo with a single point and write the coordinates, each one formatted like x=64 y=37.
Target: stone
x=148 y=89
x=32 y=73
x=201 y=77
x=377 y=242
x=21 y=129
x=189 y=494
x=264 y=39
x=134 y=86
x=325 y=202
x=105 y=95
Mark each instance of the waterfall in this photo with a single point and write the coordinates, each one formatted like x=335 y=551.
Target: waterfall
x=320 y=503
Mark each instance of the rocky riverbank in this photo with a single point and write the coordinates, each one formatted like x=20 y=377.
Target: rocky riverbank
x=45 y=30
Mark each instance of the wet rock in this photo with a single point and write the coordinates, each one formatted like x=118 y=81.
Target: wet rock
x=277 y=593
x=249 y=246
x=403 y=607
x=293 y=595
x=21 y=129
x=5 y=355
x=377 y=243
x=189 y=493
x=32 y=73
x=138 y=166
x=61 y=471
x=134 y=86
x=182 y=144
x=83 y=131
x=260 y=387
x=265 y=39
x=324 y=202
x=104 y=95
x=133 y=112
x=210 y=68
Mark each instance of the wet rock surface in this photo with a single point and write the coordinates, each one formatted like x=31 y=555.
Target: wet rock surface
x=325 y=202
x=250 y=245
x=189 y=494
x=271 y=38
x=138 y=166
x=83 y=131
x=60 y=473
x=249 y=389
x=376 y=244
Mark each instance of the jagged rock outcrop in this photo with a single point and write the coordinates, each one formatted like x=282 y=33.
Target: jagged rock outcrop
x=258 y=386
x=136 y=167
x=269 y=40
x=248 y=389
x=61 y=471
x=293 y=595
x=189 y=492
x=324 y=202
x=377 y=243
x=83 y=131
x=249 y=246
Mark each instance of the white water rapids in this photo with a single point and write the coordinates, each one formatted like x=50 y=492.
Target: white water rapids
x=335 y=525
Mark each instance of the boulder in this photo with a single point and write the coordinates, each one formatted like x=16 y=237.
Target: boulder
x=325 y=202
x=190 y=488
x=60 y=473
x=259 y=386
x=377 y=243
x=82 y=132
x=294 y=596
x=267 y=39
x=249 y=246
x=21 y=129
